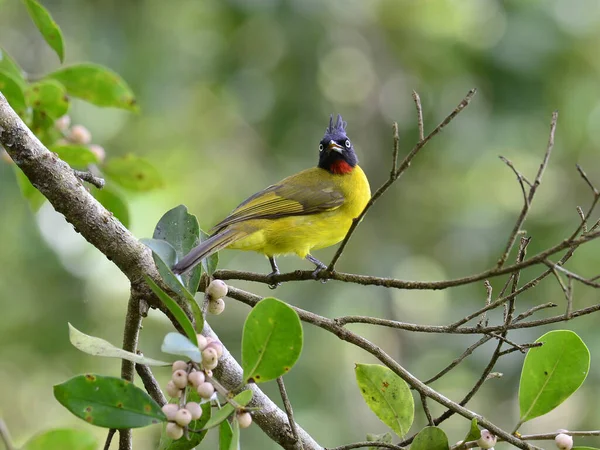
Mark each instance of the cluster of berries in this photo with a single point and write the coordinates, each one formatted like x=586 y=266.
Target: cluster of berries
x=78 y=134
x=216 y=290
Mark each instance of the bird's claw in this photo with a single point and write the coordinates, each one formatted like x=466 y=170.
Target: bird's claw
x=273 y=284
x=317 y=272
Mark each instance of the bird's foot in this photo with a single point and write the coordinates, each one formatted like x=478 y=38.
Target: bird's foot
x=273 y=284
x=317 y=272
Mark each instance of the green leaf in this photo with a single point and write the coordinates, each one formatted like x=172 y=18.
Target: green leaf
x=175 y=309
x=225 y=435
x=62 y=439
x=387 y=395
x=49 y=102
x=99 y=347
x=112 y=201
x=430 y=438
x=175 y=343
x=133 y=173
x=108 y=402
x=13 y=91
x=210 y=263
x=31 y=194
x=96 y=84
x=180 y=229
x=234 y=444
x=242 y=399
x=271 y=341
x=8 y=65
x=196 y=437
x=78 y=156
x=47 y=26
x=474 y=432
x=163 y=251
x=552 y=372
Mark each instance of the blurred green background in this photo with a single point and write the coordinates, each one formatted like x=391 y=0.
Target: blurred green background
x=234 y=96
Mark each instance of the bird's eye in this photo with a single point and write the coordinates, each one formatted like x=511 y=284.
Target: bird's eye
x=320 y=147
x=347 y=143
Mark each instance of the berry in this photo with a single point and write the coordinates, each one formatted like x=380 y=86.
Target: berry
x=205 y=390
x=202 y=341
x=196 y=378
x=98 y=150
x=170 y=409
x=564 y=441
x=487 y=440
x=218 y=347
x=195 y=410
x=62 y=123
x=174 y=431
x=180 y=379
x=179 y=365
x=210 y=358
x=216 y=307
x=172 y=390
x=216 y=289
x=244 y=419
x=183 y=417
x=80 y=135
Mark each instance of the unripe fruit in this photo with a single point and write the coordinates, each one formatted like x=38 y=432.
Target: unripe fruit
x=202 y=341
x=210 y=365
x=216 y=307
x=172 y=390
x=564 y=441
x=195 y=410
x=216 y=289
x=99 y=151
x=196 y=378
x=183 y=417
x=180 y=379
x=174 y=431
x=205 y=390
x=244 y=419
x=487 y=440
x=170 y=409
x=218 y=347
x=62 y=123
x=179 y=365
x=80 y=135
x=209 y=355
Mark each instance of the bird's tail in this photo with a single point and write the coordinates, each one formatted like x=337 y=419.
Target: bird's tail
x=212 y=245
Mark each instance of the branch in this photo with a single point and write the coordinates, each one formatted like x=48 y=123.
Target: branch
x=57 y=182
x=90 y=178
x=288 y=409
x=150 y=383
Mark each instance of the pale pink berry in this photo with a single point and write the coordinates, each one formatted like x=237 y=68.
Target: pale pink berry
x=564 y=441
x=205 y=390
x=183 y=417
x=179 y=365
x=244 y=419
x=62 y=123
x=170 y=409
x=172 y=390
x=209 y=355
x=216 y=307
x=180 y=379
x=196 y=378
x=99 y=151
x=487 y=440
x=218 y=347
x=195 y=410
x=216 y=289
x=174 y=431
x=80 y=135
x=202 y=341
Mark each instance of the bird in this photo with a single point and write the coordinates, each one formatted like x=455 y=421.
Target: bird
x=310 y=210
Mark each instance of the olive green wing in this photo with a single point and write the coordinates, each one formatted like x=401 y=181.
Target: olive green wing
x=305 y=193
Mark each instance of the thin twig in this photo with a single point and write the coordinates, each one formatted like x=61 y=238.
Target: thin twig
x=90 y=178
x=150 y=383
x=109 y=438
x=366 y=444
x=288 y=409
x=569 y=310
x=483 y=322
x=550 y=436
x=532 y=191
x=401 y=169
x=520 y=178
x=587 y=180
x=395 y=150
x=426 y=410
x=420 y=122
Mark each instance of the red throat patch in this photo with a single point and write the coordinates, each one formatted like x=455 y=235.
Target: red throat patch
x=340 y=167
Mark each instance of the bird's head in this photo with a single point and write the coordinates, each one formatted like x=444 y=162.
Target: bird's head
x=336 y=153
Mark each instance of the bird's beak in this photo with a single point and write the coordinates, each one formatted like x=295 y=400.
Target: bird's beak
x=335 y=146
